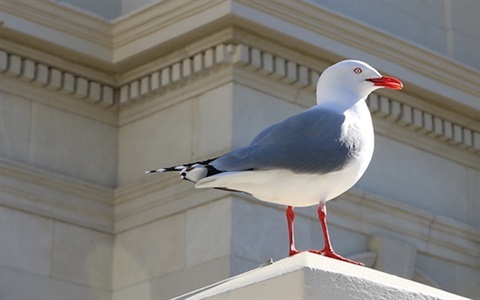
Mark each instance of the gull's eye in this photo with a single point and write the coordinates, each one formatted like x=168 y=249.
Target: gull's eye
x=357 y=70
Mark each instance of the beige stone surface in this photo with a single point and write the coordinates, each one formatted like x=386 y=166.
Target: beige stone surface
x=72 y=145
x=311 y=276
x=88 y=105
x=25 y=241
x=161 y=139
x=455 y=278
x=16 y=284
x=149 y=251
x=212 y=122
x=254 y=110
x=389 y=251
x=419 y=178
x=14 y=127
x=82 y=256
x=179 y=282
x=208 y=232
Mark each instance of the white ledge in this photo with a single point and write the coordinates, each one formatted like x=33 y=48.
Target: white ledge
x=310 y=276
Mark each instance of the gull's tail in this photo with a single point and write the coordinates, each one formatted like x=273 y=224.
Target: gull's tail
x=192 y=171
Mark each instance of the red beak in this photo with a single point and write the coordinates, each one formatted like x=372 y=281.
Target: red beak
x=387 y=82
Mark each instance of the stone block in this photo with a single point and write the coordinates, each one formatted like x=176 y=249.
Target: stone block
x=254 y=111
x=145 y=85
x=28 y=71
x=437 y=127
x=161 y=139
x=82 y=256
x=395 y=111
x=134 y=90
x=241 y=55
x=427 y=123
x=302 y=79
x=209 y=57
x=187 y=67
x=256 y=59
x=94 y=91
x=447 y=131
x=198 y=62
x=81 y=88
x=55 y=79
x=14 y=127
x=14 y=65
x=373 y=102
x=149 y=251
x=166 y=76
x=16 y=284
x=208 y=232
x=311 y=276
x=177 y=283
x=290 y=72
x=62 y=142
x=417 y=123
x=176 y=72
x=384 y=107
x=267 y=63
x=41 y=76
x=313 y=78
x=457 y=134
x=221 y=54
x=259 y=232
x=198 y=276
x=3 y=61
x=279 y=68
x=394 y=256
x=212 y=122
x=396 y=170
x=450 y=276
x=155 y=81
x=26 y=241
x=68 y=85
x=107 y=96
x=124 y=93
x=406 y=117
x=467 y=138
x=476 y=140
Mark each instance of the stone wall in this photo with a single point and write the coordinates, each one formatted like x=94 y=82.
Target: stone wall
x=88 y=105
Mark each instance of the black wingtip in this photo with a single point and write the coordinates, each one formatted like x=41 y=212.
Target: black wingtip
x=155 y=171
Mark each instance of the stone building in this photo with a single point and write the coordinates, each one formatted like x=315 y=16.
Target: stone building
x=93 y=93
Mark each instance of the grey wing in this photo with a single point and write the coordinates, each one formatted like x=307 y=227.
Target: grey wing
x=310 y=142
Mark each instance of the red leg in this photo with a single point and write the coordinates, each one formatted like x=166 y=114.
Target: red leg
x=290 y=218
x=328 y=249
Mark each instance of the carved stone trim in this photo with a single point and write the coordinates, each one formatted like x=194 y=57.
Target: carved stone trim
x=57 y=80
x=298 y=76
x=242 y=56
x=157 y=198
x=56 y=196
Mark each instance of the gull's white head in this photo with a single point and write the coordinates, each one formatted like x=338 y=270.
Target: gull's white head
x=351 y=81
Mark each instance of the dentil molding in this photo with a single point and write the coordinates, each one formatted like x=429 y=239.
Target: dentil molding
x=242 y=56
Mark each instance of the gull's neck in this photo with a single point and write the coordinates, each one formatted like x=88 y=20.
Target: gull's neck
x=339 y=98
x=339 y=102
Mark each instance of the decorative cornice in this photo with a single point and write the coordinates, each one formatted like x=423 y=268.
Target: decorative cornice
x=55 y=196
x=58 y=80
x=367 y=213
x=169 y=24
x=313 y=28
x=251 y=59
x=57 y=29
x=297 y=76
